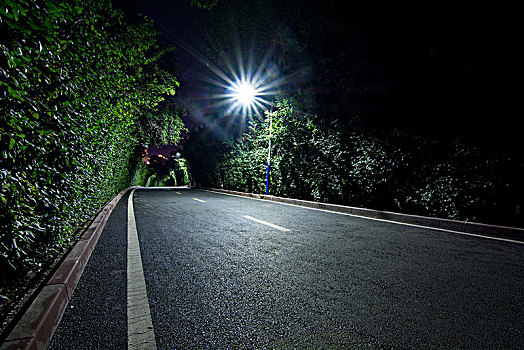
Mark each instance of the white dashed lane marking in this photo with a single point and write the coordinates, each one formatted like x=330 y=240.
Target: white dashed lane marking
x=266 y=223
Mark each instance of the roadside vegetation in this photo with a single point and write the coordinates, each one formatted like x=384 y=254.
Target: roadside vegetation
x=82 y=91
x=173 y=172
x=383 y=108
x=397 y=171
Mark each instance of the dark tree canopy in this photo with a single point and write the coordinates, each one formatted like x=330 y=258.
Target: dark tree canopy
x=442 y=69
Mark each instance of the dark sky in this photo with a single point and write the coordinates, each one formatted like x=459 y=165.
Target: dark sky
x=446 y=70
x=175 y=21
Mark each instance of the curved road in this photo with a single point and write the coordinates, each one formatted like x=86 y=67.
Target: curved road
x=225 y=272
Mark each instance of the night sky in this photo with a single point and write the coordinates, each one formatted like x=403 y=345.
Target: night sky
x=447 y=71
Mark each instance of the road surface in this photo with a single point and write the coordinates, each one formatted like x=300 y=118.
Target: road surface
x=227 y=272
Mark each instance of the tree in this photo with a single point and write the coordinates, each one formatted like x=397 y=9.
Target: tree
x=306 y=156
x=163 y=126
x=205 y=4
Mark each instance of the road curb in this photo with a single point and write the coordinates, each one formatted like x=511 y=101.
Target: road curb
x=505 y=232
x=37 y=325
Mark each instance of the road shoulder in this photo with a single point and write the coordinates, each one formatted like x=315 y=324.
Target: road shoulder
x=503 y=233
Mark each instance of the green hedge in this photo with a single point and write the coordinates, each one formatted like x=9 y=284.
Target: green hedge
x=75 y=81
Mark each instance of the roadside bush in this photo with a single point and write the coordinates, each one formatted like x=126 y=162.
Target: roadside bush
x=75 y=81
x=306 y=158
x=458 y=184
x=140 y=175
x=396 y=170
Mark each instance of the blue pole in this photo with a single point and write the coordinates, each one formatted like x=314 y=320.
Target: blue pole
x=267 y=179
x=269 y=150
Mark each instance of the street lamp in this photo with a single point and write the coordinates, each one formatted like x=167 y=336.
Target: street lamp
x=246 y=94
x=269 y=150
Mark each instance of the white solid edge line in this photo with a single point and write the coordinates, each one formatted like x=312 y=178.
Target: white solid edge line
x=140 y=331
x=376 y=219
x=267 y=223
x=165 y=188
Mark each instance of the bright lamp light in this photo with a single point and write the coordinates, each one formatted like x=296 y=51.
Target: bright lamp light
x=245 y=93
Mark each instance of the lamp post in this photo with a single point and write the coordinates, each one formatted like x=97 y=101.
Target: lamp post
x=245 y=94
x=269 y=151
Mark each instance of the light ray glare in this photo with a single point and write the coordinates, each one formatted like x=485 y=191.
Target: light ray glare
x=243 y=80
x=247 y=92
x=239 y=56
x=246 y=82
x=257 y=76
x=263 y=83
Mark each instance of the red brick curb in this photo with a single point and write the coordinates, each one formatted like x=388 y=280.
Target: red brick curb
x=505 y=232
x=38 y=323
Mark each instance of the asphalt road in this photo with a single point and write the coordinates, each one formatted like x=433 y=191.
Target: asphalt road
x=218 y=277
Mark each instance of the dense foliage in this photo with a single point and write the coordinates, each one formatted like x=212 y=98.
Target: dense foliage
x=174 y=172
x=163 y=126
x=205 y=4
x=393 y=107
x=398 y=171
x=78 y=87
